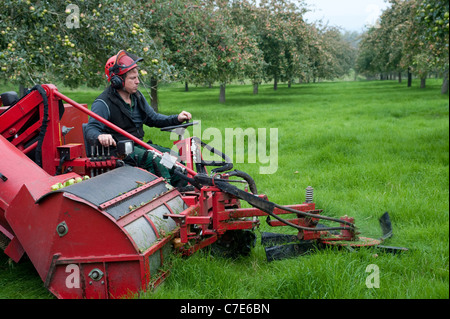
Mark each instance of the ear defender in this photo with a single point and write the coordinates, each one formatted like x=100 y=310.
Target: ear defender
x=117 y=82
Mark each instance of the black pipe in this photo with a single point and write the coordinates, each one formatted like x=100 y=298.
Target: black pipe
x=38 y=153
x=247 y=178
x=192 y=181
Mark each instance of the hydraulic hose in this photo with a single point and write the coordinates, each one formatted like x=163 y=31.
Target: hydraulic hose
x=247 y=178
x=192 y=181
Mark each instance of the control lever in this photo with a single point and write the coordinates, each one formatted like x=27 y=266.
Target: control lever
x=179 y=129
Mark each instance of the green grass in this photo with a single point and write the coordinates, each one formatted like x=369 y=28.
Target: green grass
x=365 y=147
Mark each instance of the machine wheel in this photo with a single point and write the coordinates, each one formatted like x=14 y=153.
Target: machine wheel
x=234 y=243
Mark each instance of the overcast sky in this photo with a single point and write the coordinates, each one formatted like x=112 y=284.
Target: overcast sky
x=351 y=15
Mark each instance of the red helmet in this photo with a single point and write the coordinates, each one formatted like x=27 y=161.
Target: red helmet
x=120 y=64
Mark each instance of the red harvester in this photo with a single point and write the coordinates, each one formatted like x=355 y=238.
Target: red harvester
x=108 y=235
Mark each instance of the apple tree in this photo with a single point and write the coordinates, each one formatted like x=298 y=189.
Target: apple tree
x=433 y=18
x=69 y=42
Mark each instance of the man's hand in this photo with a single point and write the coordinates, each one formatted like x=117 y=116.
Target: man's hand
x=184 y=116
x=106 y=140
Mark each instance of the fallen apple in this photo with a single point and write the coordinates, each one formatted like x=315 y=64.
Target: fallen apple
x=56 y=186
x=70 y=182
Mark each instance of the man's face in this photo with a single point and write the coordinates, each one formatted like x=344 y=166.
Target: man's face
x=132 y=81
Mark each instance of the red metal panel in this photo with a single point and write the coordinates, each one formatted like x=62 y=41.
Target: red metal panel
x=74 y=118
x=11 y=160
x=16 y=116
x=65 y=280
x=122 y=277
x=125 y=278
x=90 y=233
x=14 y=250
x=96 y=289
x=35 y=231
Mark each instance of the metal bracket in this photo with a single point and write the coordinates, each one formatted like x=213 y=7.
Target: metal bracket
x=62 y=229
x=96 y=274
x=168 y=160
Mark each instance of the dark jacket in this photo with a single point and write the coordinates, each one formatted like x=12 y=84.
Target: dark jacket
x=113 y=108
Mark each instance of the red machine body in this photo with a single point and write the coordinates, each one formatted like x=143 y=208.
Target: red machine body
x=108 y=236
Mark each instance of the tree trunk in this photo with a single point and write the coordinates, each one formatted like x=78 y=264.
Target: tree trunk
x=409 y=78
x=186 y=86
x=222 y=93
x=399 y=77
x=423 y=81
x=154 y=94
x=275 y=83
x=444 y=89
x=255 y=88
x=289 y=83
